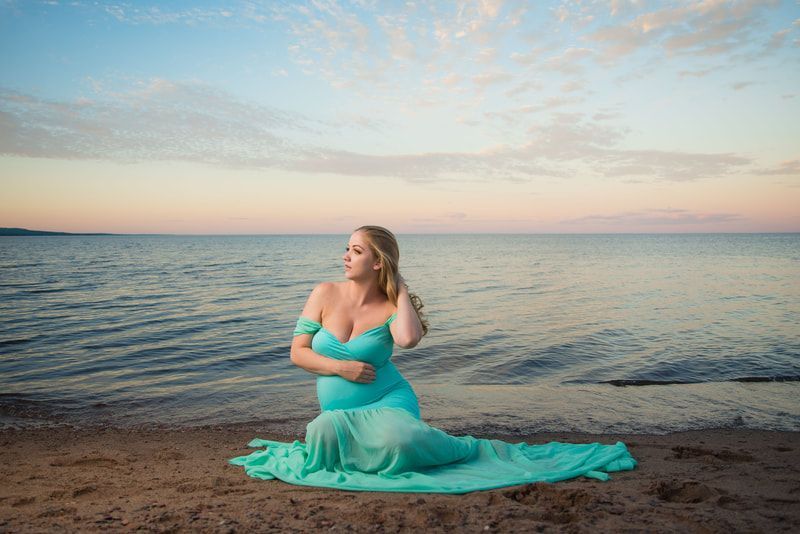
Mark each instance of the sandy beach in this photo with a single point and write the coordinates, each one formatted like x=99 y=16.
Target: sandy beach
x=68 y=479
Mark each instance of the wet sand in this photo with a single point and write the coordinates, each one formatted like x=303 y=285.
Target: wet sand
x=67 y=479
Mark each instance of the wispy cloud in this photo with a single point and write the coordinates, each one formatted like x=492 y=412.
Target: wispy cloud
x=566 y=146
x=158 y=120
x=163 y=120
x=789 y=168
x=519 y=114
x=524 y=87
x=699 y=28
x=698 y=73
x=656 y=217
x=373 y=48
x=738 y=86
x=486 y=79
x=138 y=13
x=568 y=61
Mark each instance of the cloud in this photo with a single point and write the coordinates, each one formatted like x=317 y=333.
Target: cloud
x=402 y=56
x=778 y=39
x=789 y=167
x=519 y=114
x=617 y=41
x=162 y=120
x=489 y=8
x=486 y=55
x=524 y=87
x=656 y=217
x=566 y=146
x=700 y=73
x=668 y=165
x=572 y=86
x=373 y=45
x=486 y=79
x=158 y=120
x=424 y=167
x=532 y=56
x=400 y=47
x=699 y=28
x=373 y=124
x=568 y=137
x=135 y=13
x=569 y=60
x=738 y=86
x=451 y=79
x=604 y=116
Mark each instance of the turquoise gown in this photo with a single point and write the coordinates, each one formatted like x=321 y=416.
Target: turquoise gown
x=370 y=437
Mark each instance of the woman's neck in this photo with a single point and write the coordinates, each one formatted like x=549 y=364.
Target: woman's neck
x=360 y=293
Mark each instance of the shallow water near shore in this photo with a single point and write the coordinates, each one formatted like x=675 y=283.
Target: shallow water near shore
x=529 y=333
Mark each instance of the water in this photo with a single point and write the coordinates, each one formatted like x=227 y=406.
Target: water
x=528 y=332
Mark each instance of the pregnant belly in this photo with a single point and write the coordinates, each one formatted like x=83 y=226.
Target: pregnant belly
x=337 y=393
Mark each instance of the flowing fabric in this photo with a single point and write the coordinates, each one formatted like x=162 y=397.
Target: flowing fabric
x=370 y=437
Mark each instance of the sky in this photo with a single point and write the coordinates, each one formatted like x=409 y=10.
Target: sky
x=622 y=116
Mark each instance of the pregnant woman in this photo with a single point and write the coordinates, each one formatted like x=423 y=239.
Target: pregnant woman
x=369 y=435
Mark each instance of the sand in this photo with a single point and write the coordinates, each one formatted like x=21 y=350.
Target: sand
x=91 y=479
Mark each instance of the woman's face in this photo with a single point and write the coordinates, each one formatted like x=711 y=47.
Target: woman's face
x=359 y=262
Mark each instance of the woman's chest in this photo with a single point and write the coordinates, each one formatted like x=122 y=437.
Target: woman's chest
x=374 y=347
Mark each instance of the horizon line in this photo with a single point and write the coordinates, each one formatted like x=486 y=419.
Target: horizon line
x=59 y=233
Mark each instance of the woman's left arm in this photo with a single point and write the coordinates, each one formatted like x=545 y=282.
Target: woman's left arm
x=406 y=328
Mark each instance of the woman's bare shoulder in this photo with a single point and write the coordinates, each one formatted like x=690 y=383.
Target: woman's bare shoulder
x=325 y=292
x=319 y=299
x=327 y=287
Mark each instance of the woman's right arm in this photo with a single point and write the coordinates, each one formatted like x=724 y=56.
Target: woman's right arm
x=301 y=353
x=304 y=357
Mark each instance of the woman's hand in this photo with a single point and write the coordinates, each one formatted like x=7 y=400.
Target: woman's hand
x=356 y=371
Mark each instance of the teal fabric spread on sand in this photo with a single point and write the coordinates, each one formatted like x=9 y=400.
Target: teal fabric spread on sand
x=370 y=437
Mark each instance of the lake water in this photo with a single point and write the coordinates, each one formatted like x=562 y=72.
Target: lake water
x=595 y=333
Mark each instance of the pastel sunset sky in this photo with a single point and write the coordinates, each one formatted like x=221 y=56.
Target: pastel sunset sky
x=426 y=117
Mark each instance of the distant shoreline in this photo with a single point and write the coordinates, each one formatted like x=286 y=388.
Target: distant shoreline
x=26 y=232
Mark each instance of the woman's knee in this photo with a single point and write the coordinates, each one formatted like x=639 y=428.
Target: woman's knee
x=322 y=429
x=402 y=441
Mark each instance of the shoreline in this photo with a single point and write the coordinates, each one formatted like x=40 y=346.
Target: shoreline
x=178 y=478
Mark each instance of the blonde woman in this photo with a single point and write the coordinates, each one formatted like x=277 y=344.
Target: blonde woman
x=369 y=435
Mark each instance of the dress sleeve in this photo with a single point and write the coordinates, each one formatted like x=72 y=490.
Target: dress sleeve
x=306 y=326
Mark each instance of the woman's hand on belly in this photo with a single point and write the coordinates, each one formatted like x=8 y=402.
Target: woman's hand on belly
x=356 y=371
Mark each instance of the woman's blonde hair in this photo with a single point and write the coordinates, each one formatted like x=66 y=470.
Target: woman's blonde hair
x=384 y=246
